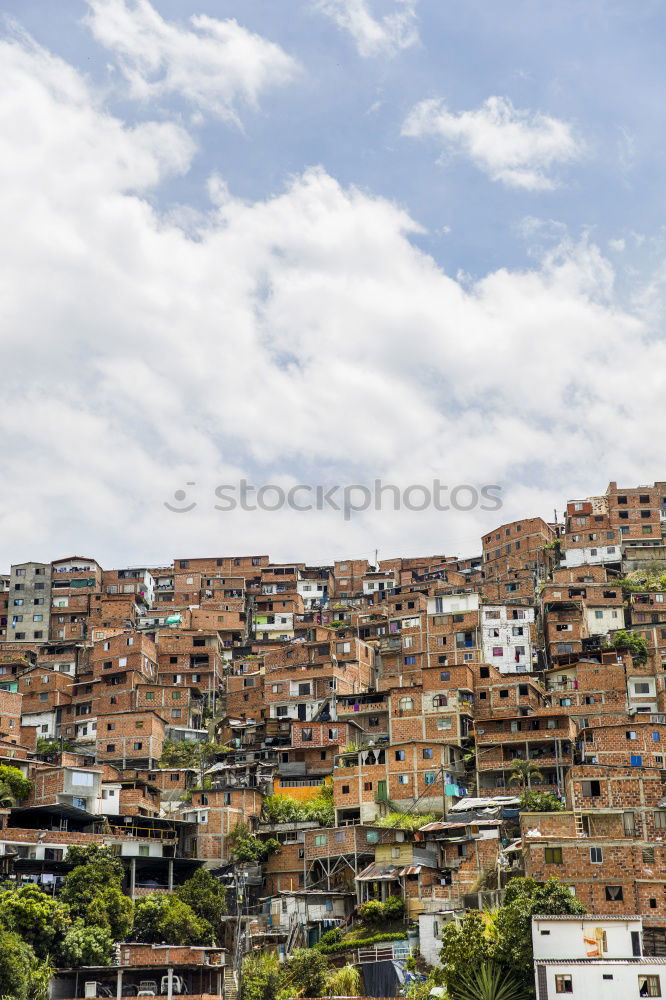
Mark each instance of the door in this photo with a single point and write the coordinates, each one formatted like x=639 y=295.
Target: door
x=301 y=712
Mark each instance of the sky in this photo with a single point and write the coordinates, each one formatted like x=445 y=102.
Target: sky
x=324 y=243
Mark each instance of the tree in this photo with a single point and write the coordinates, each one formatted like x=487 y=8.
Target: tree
x=261 y=976
x=306 y=972
x=51 y=749
x=85 y=945
x=522 y=773
x=523 y=899
x=104 y=860
x=247 y=849
x=22 y=976
x=466 y=945
x=160 y=918
x=207 y=898
x=487 y=982
x=93 y=891
x=14 y=786
x=630 y=642
x=532 y=801
x=39 y=919
x=190 y=753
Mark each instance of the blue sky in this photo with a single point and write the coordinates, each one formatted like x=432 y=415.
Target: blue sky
x=598 y=65
x=469 y=283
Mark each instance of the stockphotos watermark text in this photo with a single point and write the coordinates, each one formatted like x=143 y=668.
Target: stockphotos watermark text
x=351 y=499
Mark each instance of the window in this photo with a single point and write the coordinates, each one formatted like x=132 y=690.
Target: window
x=345 y=789
x=445 y=675
x=306 y=735
x=400 y=755
x=636 y=760
x=429 y=777
x=614 y=893
x=563 y=984
x=333 y=734
x=498 y=651
x=403 y=779
x=596 y=856
x=110 y=747
x=504 y=693
x=371 y=836
x=444 y=723
x=590 y=789
x=649 y=986
x=83 y=778
x=320 y=840
x=553 y=855
x=367 y=786
x=138 y=746
x=630 y=734
x=405 y=704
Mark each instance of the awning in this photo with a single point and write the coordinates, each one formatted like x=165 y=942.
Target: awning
x=378 y=873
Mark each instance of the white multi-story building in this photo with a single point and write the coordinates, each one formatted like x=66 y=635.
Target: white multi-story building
x=587 y=957
x=506 y=639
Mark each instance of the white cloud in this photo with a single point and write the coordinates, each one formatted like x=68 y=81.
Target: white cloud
x=215 y=65
x=518 y=148
x=374 y=35
x=300 y=337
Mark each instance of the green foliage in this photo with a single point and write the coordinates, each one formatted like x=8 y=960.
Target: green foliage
x=164 y=918
x=103 y=858
x=466 y=946
x=502 y=941
x=85 y=945
x=645 y=580
x=14 y=786
x=404 y=821
x=39 y=919
x=51 y=749
x=523 y=899
x=305 y=973
x=630 y=642
x=533 y=801
x=334 y=936
x=22 y=976
x=523 y=772
x=488 y=982
x=345 y=982
x=420 y=990
x=247 y=849
x=93 y=891
x=349 y=943
x=261 y=976
x=282 y=809
x=207 y=898
x=373 y=912
x=190 y=753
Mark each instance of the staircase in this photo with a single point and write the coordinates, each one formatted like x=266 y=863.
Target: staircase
x=230 y=991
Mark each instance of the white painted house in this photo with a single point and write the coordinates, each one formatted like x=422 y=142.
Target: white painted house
x=506 y=637
x=589 y=957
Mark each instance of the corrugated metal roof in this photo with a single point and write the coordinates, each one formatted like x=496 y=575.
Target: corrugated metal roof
x=375 y=873
x=411 y=870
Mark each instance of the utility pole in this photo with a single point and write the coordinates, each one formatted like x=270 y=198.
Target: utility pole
x=443 y=777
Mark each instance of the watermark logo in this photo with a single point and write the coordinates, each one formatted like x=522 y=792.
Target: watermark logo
x=348 y=500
